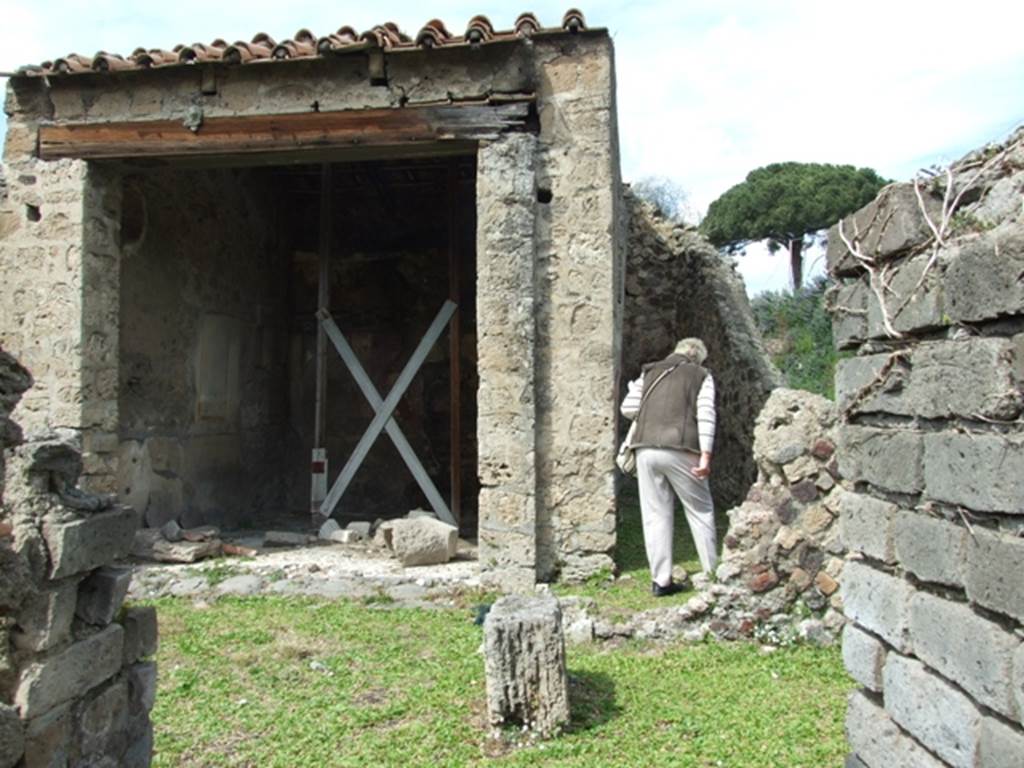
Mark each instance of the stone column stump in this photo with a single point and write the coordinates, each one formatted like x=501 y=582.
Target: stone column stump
x=524 y=656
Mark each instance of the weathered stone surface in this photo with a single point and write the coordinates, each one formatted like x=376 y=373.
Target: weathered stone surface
x=981 y=472
x=1018 y=679
x=878 y=741
x=103 y=718
x=142 y=679
x=329 y=527
x=878 y=602
x=864 y=657
x=969 y=378
x=849 y=308
x=973 y=652
x=790 y=424
x=243 y=585
x=362 y=528
x=524 y=657
x=1001 y=744
x=932 y=711
x=89 y=542
x=866 y=525
x=424 y=541
x=931 y=549
x=70 y=673
x=995 y=572
x=980 y=281
x=141 y=633
x=101 y=595
x=888 y=459
x=149 y=544
x=45 y=620
x=48 y=739
x=12 y=737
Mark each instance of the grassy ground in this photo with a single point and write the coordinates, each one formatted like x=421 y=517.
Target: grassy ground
x=299 y=682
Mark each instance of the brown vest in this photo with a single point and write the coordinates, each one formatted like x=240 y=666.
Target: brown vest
x=668 y=417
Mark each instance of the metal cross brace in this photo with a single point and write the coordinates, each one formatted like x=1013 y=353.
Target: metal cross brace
x=384 y=412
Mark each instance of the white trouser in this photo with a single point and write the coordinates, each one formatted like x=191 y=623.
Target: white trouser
x=659 y=471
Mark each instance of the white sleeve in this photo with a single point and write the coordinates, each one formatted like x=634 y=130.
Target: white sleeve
x=706 y=415
x=630 y=407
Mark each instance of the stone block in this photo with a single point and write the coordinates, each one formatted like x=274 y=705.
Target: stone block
x=67 y=675
x=849 y=310
x=970 y=378
x=980 y=282
x=867 y=525
x=995 y=572
x=981 y=472
x=329 y=528
x=878 y=741
x=48 y=739
x=103 y=718
x=141 y=633
x=361 y=528
x=1018 y=680
x=424 y=541
x=878 y=602
x=141 y=687
x=12 y=737
x=863 y=657
x=102 y=594
x=930 y=548
x=89 y=542
x=891 y=224
x=45 y=620
x=1001 y=745
x=934 y=712
x=973 y=652
x=910 y=309
x=887 y=459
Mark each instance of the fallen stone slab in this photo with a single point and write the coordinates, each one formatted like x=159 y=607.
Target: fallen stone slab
x=346 y=537
x=244 y=585
x=423 y=541
x=151 y=545
x=360 y=527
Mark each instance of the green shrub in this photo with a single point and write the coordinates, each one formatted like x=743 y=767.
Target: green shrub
x=798 y=335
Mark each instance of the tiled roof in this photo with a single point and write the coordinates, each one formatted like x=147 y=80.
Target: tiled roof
x=305 y=45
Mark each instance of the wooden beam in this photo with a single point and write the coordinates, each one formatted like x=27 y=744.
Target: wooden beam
x=277 y=133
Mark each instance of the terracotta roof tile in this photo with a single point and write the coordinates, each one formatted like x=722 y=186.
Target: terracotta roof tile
x=304 y=44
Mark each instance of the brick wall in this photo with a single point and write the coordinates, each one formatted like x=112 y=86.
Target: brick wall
x=932 y=445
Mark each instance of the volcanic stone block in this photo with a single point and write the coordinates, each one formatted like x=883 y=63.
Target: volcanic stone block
x=981 y=472
x=89 y=542
x=970 y=378
x=878 y=741
x=973 y=652
x=981 y=282
x=141 y=633
x=12 y=737
x=849 y=314
x=863 y=656
x=48 y=738
x=995 y=572
x=103 y=718
x=524 y=657
x=424 y=541
x=866 y=525
x=101 y=595
x=70 y=673
x=888 y=459
x=931 y=549
x=889 y=225
x=45 y=619
x=878 y=602
x=141 y=687
x=932 y=711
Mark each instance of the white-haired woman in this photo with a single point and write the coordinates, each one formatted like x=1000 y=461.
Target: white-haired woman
x=673 y=403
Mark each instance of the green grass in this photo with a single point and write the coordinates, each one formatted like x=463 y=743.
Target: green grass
x=631 y=592
x=300 y=682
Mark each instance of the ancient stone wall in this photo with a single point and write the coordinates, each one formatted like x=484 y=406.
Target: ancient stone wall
x=202 y=388
x=678 y=285
x=76 y=687
x=931 y=449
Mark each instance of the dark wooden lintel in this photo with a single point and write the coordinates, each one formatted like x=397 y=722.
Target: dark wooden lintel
x=281 y=133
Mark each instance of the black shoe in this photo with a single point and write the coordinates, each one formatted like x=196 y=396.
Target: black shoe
x=672 y=588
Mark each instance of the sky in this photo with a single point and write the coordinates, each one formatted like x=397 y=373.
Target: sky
x=707 y=90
